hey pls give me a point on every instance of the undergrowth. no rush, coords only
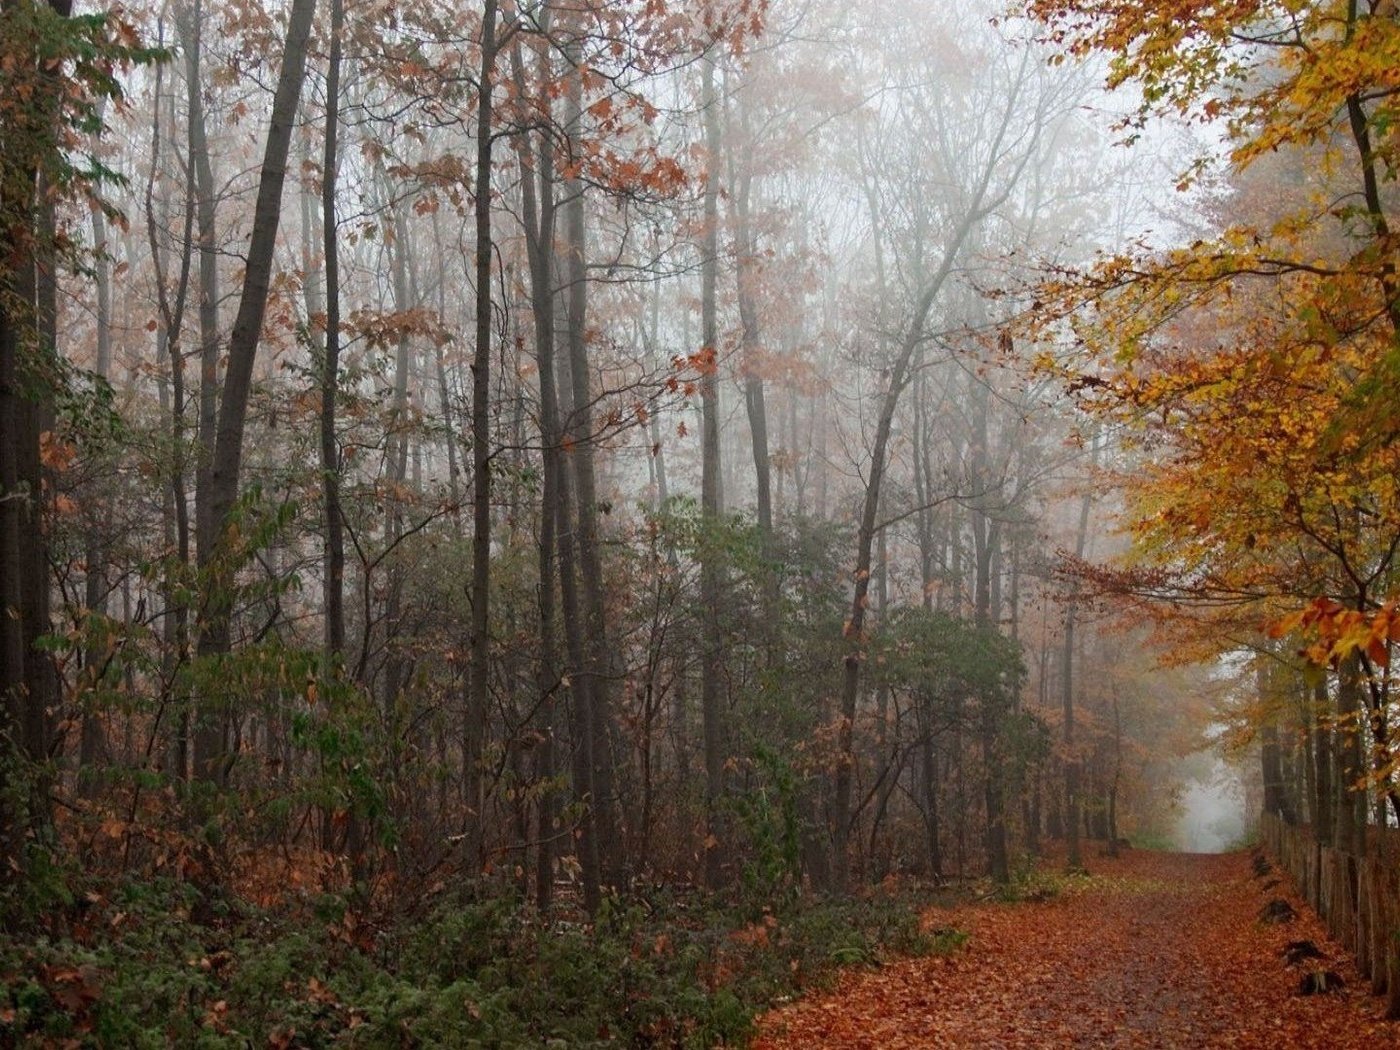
(1036, 880)
(129, 967)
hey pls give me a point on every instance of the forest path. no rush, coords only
(1151, 950)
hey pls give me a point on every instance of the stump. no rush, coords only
(1298, 951)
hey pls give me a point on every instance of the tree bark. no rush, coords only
(596, 652)
(539, 232)
(865, 538)
(712, 669)
(175, 505)
(1073, 803)
(1349, 826)
(210, 748)
(982, 199)
(334, 554)
(1319, 721)
(986, 536)
(750, 338)
(91, 737)
(190, 25)
(479, 670)
(28, 309)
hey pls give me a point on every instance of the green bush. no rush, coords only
(133, 970)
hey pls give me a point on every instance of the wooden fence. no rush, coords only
(1357, 897)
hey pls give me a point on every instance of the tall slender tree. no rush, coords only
(334, 583)
(479, 670)
(217, 545)
(711, 496)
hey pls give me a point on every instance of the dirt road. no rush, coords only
(1151, 950)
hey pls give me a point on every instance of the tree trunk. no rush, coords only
(883, 757)
(210, 750)
(596, 652)
(1073, 803)
(929, 766)
(91, 739)
(190, 25)
(18, 513)
(1319, 719)
(478, 669)
(388, 678)
(1117, 777)
(28, 304)
(755, 402)
(1350, 823)
(711, 584)
(1271, 768)
(334, 554)
(588, 545)
(538, 208)
(175, 504)
(986, 539)
(652, 336)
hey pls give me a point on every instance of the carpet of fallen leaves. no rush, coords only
(1150, 950)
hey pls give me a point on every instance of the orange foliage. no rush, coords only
(1254, 370)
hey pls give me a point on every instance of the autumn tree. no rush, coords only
(1254, 365)
(60, 72)
(604, 330)
(217, 547)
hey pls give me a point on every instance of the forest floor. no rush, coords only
(1150, 950)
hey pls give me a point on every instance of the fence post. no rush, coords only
(1358, 898)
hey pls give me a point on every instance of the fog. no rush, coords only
(662, 491)
(1212, 812)
(658, 424)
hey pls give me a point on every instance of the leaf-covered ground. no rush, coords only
(1151, 950)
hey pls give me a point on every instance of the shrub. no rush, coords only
(132, 969)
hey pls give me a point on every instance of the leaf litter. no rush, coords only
(1161, 950)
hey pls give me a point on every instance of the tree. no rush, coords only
(711, 495)
(1016, 115)
(478, 675)
(218, 543)
(1290, 312)
(662, 317)
(950, 665)
(330, 366)
(60, 73)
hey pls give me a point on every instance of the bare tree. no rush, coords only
(1011, 117)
